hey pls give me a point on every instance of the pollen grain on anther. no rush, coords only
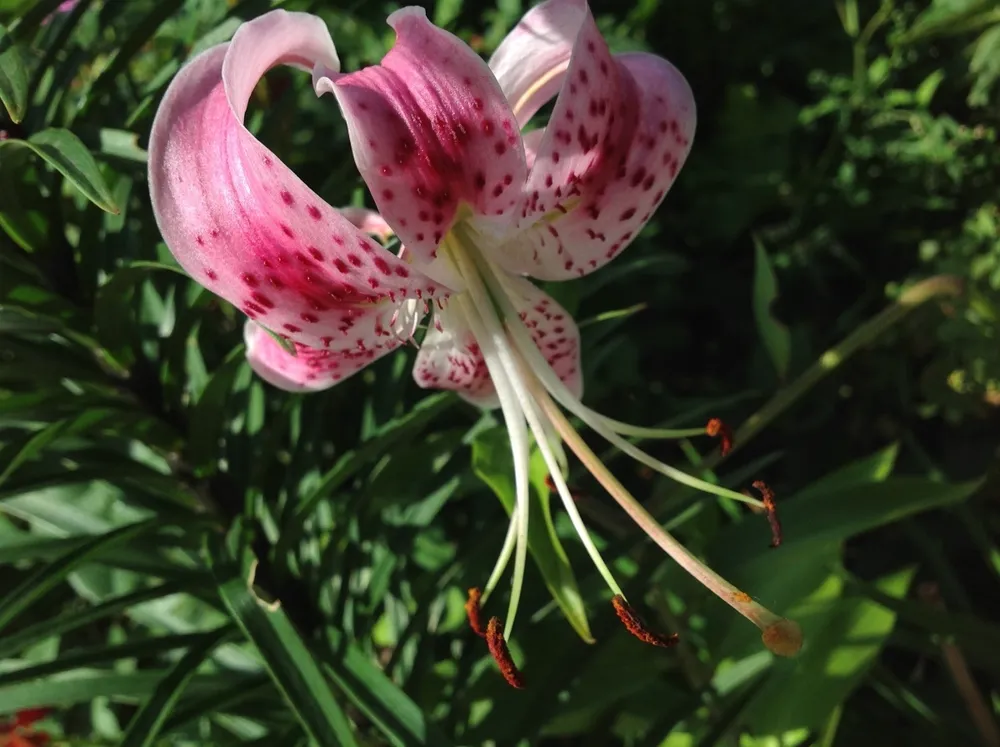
(771, 508)
(472, 611)
(716, 427)
(501, 654)
(636, 627)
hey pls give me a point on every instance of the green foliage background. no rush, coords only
(846, 150)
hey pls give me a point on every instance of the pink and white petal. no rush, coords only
(241, 223)
(532, 142)
(450, 358)
(588, 130)
(310, 369)
(368, 221)
(532, 60)
(552, 328)
(611, 205)
(430, 129)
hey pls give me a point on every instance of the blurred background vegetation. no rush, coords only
(846, 150)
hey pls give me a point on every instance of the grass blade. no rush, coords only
(145, 727)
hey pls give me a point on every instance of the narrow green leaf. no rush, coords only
(398, 430)
(48, 577)
(287, 345)
(400, 719)
(147, 724)
(15, 453)
(83, 686)
(64, 151)
(113, 315)
(777, 339)
(492, 462)
(13, 79)
(218, 702)
(76, 618)
(92, 656)
(291, 665)
(208, 415)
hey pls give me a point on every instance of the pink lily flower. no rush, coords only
(477, 204)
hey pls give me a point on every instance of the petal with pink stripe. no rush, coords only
(430, 130)
(242, 224)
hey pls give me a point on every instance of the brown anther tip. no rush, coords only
(635, 626)
(501, 654)
(782, 638)
(715, 427)
(767, 495)
(472, 612)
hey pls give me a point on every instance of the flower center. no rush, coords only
(526, 386)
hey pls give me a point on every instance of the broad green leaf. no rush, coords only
(493, 463)
(147, 724)
(775, 335)
(13, 79)
(63, 150)
(872, 469)
(839, 513)
(803, 692)
(291, 665)
(446, 11)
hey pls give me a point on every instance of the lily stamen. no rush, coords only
(473, 612)
(716, 427)
(771, 509)
(501, 654)
(633, 623)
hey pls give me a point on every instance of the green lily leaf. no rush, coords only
(13, 79)
(492, 462)
(777, 339)
(64, 151)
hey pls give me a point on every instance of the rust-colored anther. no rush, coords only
(715, 427)
(551, 485)
(636, 627)
(767, 495)
(473, 613)
(500, 652)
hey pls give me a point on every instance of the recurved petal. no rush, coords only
(532, 60)
(430, 128)
(613, 185)
(242, 224)
(552, 328)
(450, 358)
(310, 369)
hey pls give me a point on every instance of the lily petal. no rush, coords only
(368, 221)
(552, 328)
(242, 224)
(430, 129)
(593, 187)
(450, 358)
(532, 60)
(310, 369)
